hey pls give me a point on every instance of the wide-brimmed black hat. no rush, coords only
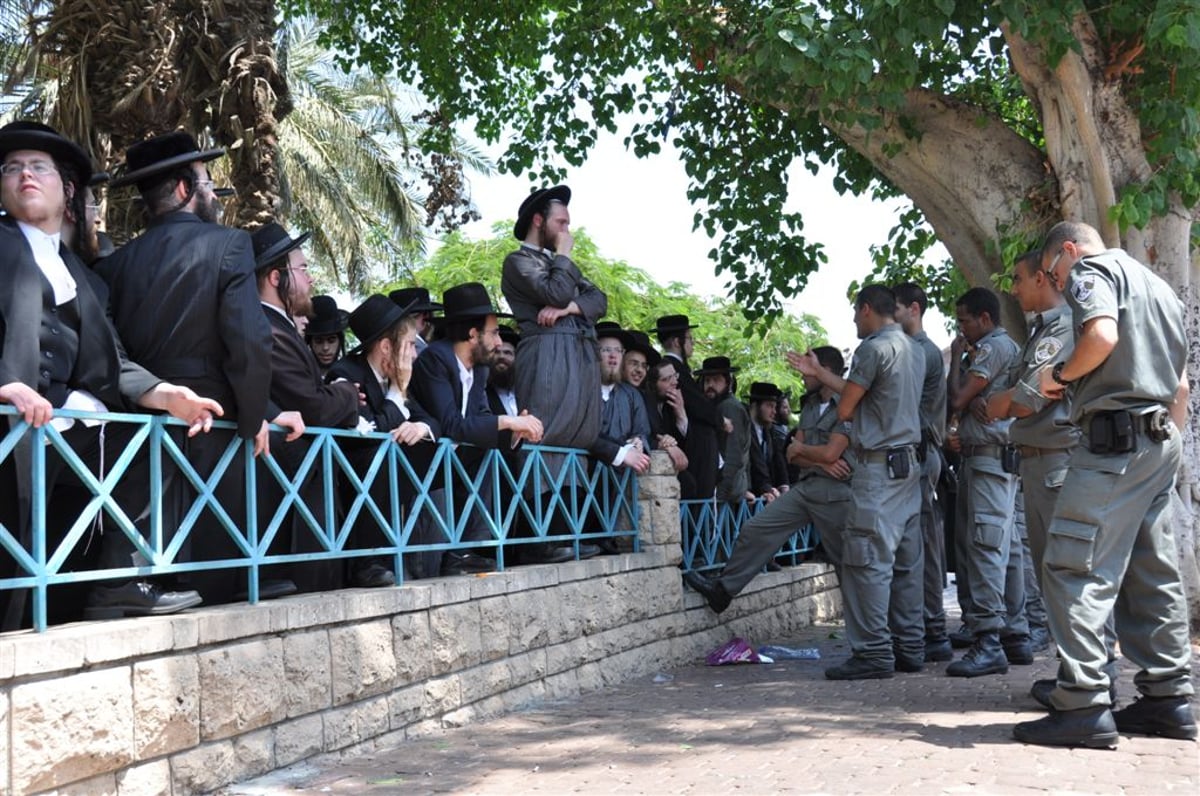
(153, 156)
(405, 297)
(372, 319)
(469, 300)
(43, 138)
(714, 365)
(763, 391)
(640, 342)
(669, 325)
(536, 203)
(614, 330)
(98, 179)
(326, 319)
(509, 335)
(272, 242)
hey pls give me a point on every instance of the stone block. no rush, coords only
(166, 705)
(454, 636)
(148, 636)
(567, 655)
(70, 728)
(253, 753)
(590, 677)
(147, 779)
(241, 688)
(307, 672)
(663, 521)
(493, 623)
(538, 576)
(203, 769)
(524, 696)
(660, 468)
(442, 695)
(186, 627)
(4, 731)
(564, 685)
(226, 623)
(313, 610)
(532, 619)
(487, 680)
(299, 739)
(492, 584)
(8, 659)
(459, 718)
(44, 653)
(100, 785)
(356, 723)
(413, 649)
(364, 660)
(414, 596)
(359, 604)
(446, 591)
(527, 667)
(406, 706)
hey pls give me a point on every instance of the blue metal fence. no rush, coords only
(585, 502)
(709, 529)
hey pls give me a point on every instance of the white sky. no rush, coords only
(637, 210)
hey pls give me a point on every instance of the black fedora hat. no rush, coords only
(509, 335)
(151, 157)
(98, 179)
(43, 138)
(535, 203)
(372, 319)
(714, 365)
(614, 330)
(326, 319)
(669, 325)
(406, 296)
(272, 242)
(763, 391)
(469, 300)
(640, 342)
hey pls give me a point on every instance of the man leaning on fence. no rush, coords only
(59, 351)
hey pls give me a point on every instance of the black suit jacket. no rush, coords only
(378, 409)
(296, 382)
(706, 432)
(436, 387)
(184, 301)
(100, 366)
(767, 468)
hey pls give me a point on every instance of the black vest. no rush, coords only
(58, 345)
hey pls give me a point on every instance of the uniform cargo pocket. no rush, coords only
(1054, 478)
(857, 551)
(988, 533)
(1070, 545)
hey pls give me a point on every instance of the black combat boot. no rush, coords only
(986, 656)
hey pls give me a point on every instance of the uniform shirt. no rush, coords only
(1051, 340)
(819, 422)
(995, 354)
(1143, 370)
(735, 472)
(887, 365)
(933, 391)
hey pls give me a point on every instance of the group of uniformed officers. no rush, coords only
(1081, 425)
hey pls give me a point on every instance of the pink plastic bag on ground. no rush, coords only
(736, 650)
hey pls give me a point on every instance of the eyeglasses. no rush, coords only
(204, 183)
(636, 365)
(1050, 271)
(38, 168)
(611, 349)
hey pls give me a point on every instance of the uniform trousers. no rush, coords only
(1041, 479)
(1110, 547)
(993, 554)
(934, 545)
(824, 502)
(884, 518)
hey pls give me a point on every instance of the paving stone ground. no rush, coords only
(772, 728)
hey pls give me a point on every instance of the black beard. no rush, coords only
(502, 379)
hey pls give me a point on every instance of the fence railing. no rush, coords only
(709, 528)
(338, 487)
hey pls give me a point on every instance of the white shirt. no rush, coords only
(466, 377)
(509, 399)
(45, 254)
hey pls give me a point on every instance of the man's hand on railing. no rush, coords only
(183, 404)
(409, 433)
(638, 461)
(524, 426)
(34, 409)
(292, 421)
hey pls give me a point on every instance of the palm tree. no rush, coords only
(353, 171)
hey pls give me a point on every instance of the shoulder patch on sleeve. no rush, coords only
(981, 354)
(1082, 287)
(1046, 349)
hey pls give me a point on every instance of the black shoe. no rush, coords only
(908, 663)
(986, 656)
(1091, 727)
(962, 638)
(373, 576)
(1039, 638)
(466, 564)
(1042, 689)
(856, 668)
(1017, 649)
(711, 590)
(269, 590)
(1169, 717)
(938, 649)
(136, 598)
(773, 566)
(586, 551)
(547, 554)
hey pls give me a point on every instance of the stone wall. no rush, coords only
(188, 703)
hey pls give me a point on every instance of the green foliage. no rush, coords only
(743, 88)
(635, 300)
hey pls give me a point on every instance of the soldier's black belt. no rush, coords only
(993, 451)
(1116, 431)
(1030, 452)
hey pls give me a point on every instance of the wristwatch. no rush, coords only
(1056, 374)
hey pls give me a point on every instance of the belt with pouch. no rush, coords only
(991, 451)
(879, 455)
(1030, 452)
